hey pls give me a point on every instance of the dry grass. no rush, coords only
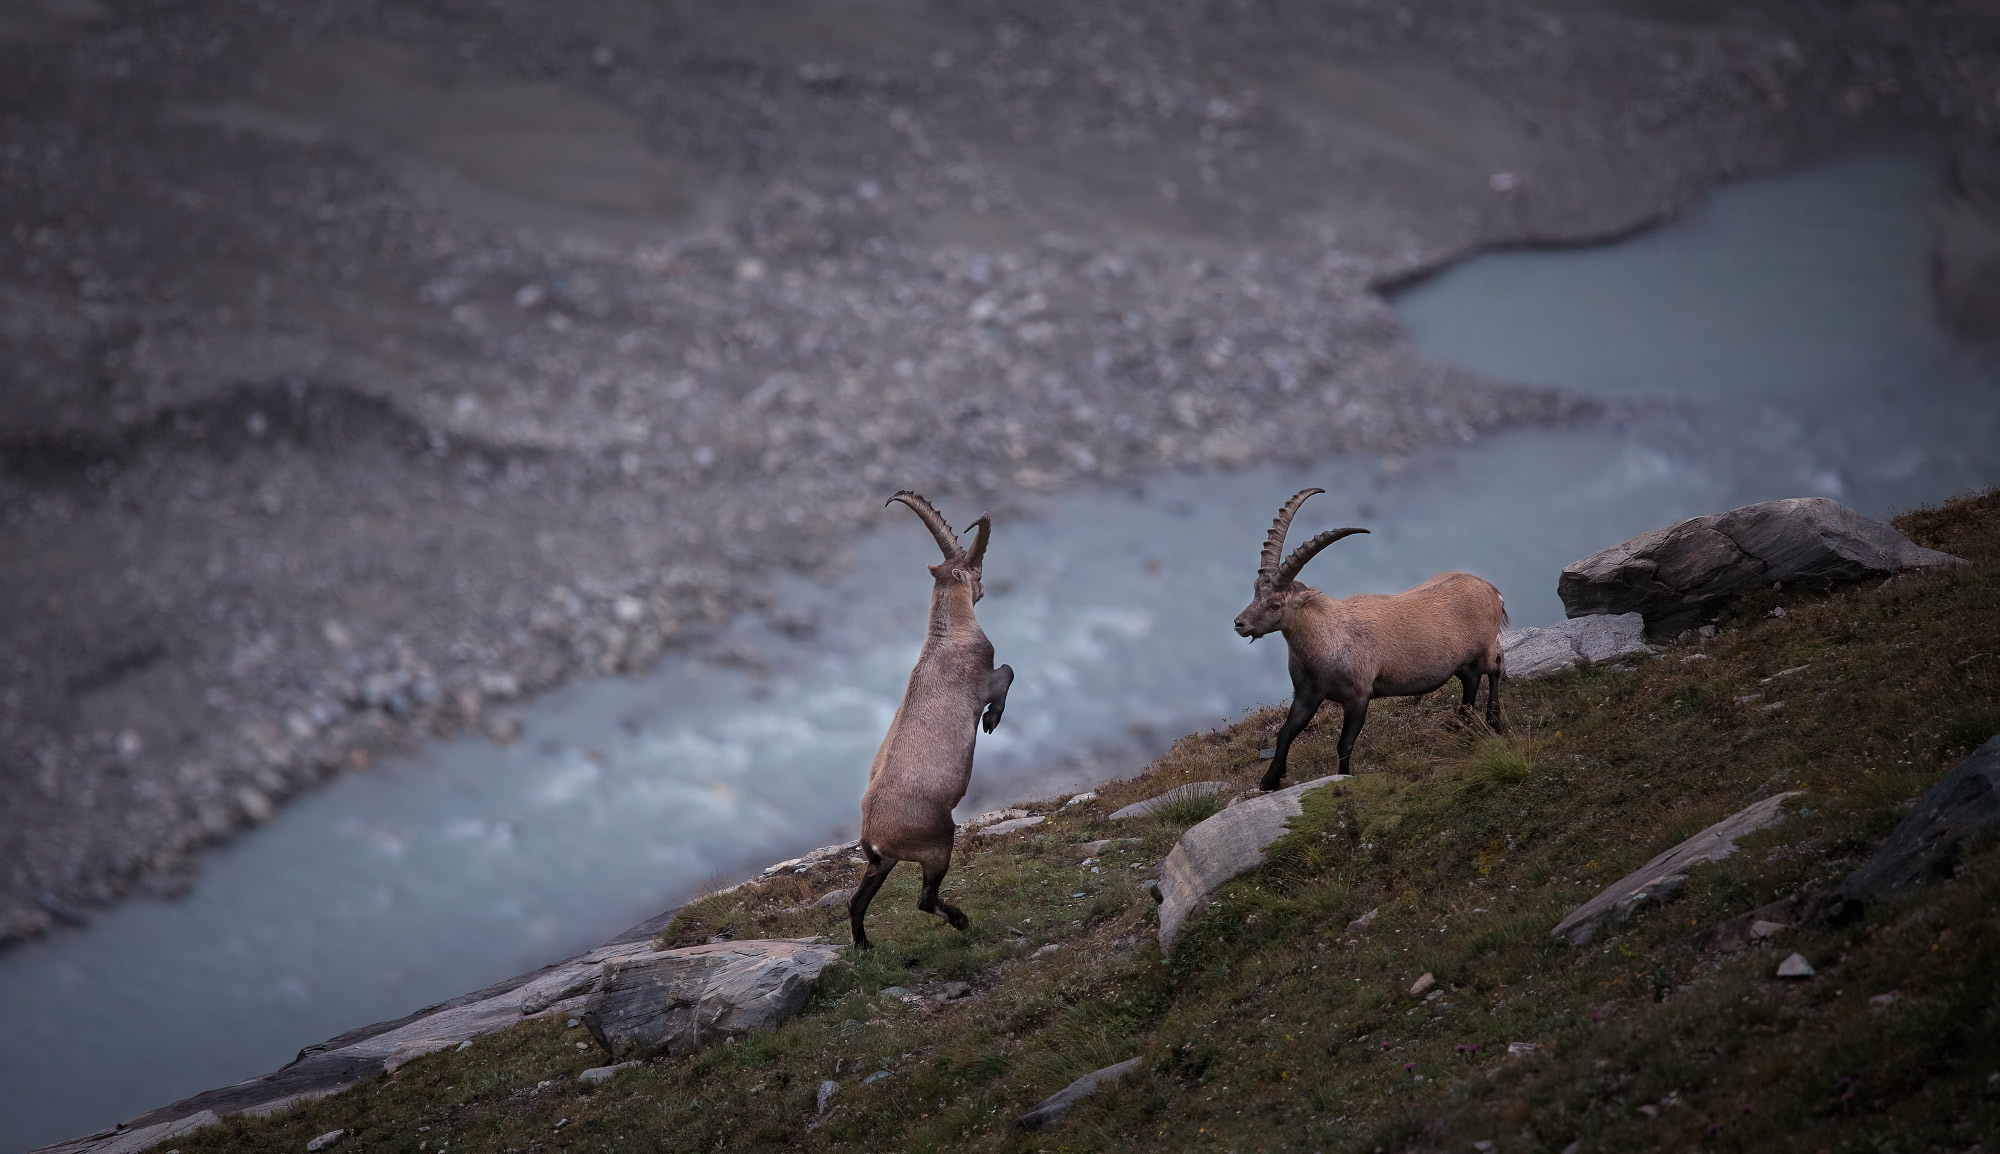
(1269, 1028)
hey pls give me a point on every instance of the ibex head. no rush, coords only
(1274, 588)
(959, 564)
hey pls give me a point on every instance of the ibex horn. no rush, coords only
(1274, 541)
(977, 557)
(932, 519)
(1305, 553)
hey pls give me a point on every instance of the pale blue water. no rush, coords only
(1778, 342)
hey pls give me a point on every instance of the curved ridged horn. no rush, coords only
(984, 526)
(1274, 541)
(933, 520)
(1306, 552)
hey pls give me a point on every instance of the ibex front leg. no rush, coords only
(997, 683)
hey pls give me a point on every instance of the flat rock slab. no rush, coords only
(1222, 847)
(675, 1001)
(1011, 824)
(1051, 1109)
(1679, 575)
(1533, 653)
(1150, 805)
(1664, 874)
(1925, 844)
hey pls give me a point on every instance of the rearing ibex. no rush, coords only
(922, 769)
(1354, 649)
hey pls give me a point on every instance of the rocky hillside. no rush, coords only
(1388, 980)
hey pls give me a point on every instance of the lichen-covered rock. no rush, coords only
(1051, 1109)
(1192, 789)
(1540, 652)
(1663, 875)
(1925, 843)
(1678, 575)
(678, 1000)
(1218, 849)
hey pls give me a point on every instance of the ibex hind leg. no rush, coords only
(1493, 721)
(1468, 682)
(930, 903)
(857, 906)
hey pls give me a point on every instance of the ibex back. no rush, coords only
(925, 762)
(1352, 650)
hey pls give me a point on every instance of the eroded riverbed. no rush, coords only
(1780, 341)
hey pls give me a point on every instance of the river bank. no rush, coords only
(371, 370)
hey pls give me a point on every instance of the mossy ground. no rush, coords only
(1271, 1028)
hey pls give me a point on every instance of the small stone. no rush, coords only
(1423, 984)
(597, 1074)
(1051, 1109)
(877, 1076)
(325, 1141)
(1881, 1002)
(574, 1023)
(899, 993)
(956, 990)
(1361, 924)
(465, 1045)
(1267, 754)
(1051, 948)
(1795, 966)
(1522, 1049)
(1081, 798)
(1761, 929)
(833, 898)
(1650, 1110)
(1484, 1146)
(534, 1004)
(1778, 611)
(827, 1090)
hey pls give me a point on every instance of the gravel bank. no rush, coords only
(367, 370)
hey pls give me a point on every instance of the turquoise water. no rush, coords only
(1780, 341)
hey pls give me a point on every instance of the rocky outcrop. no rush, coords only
(1051, 1109)
(1532, 653)
(1222, 847)
(676, 1001)
(1926, 842)
(1660, 877)
(1679, 575)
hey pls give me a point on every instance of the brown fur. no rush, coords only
(1352, 650)
(925, 762)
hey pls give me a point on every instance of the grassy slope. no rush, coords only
(1271, 1028)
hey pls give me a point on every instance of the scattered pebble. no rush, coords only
(1423, 984)
(325, 1141)
(1795, 966)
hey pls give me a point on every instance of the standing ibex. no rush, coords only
(922, 769)
(1354, 649)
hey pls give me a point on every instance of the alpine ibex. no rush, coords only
(925, 762)
(1352, 650)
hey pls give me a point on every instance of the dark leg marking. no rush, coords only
(1352, 718)
(996, 696)
(1305, 703)
(930, 903)
(871, 880)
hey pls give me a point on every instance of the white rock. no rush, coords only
(1052, 1108)
(1664, 874)
(596, 1074)
(1795, 966)
(827, 1090)
(324, 1141)
(1230, 843)
(1190, 790)
(1423, 983)
(1012, 825)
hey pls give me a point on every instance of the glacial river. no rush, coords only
(1779, 341)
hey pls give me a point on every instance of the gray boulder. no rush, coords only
(1533, 653)
(1190, 790)
(1051, 1109)
(1660, 877)
(1679, 575)
(1925, 843)
(677, 1000)
(1218, 849)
